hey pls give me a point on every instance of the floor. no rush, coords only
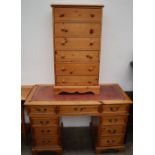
(77, 141)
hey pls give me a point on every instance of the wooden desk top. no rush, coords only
(109, 94)
(25, 90)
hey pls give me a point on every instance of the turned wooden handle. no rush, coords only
(91, 31)
(63, 69)
(90, 69)
(91, 44)
(114, 108)
(89, 56)
(61, 15)
(92, 15)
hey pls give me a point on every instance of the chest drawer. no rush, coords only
(77, 29)
(49, 142)
(115, 108)
(77, 44)
(114, 120)
(77, 56)
(77, 14)
(93, 109)
(46, 131)
(111, 130)
(111, 141)
(42, 109)
(76, 80)
(44, 121)
(77, 69)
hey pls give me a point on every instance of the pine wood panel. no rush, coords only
(77, 29)
(77, 14)
(76, 80)
(77, 44)
(76, 69)
(77, 56)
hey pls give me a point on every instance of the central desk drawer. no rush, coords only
(71, 110)
(77, 69)
(44, 121)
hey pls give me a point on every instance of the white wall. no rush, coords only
(37, 45)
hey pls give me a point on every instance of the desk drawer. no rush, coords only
(46, 131)
(77, 69)
(77, 80)
(42, 109)
(77, 56)
(93, 109)
(111, 141)
(77, 14)
(114, 120)
(46, 121)
(77, 29)
(51, 141)
(111, 130)
(115, 108)
(77, 44)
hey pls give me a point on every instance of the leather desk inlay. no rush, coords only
(107, 92)
(108, 110)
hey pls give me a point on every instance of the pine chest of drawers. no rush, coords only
(77, 39)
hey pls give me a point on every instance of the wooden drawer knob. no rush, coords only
(114, 109)
(62, 57)
(90, 69)
(41, 110)
(91, 44)
(64, 30)
(75, 109)
(63, 69)
(91, 31)
(92, 15)
(61, 15)
(89, 56)
(63, 81)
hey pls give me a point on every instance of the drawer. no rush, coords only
(115, 108)
(42, 109)
(77, 44)
(77, 56)
(111, 141)
(77, 29)
(46, 131)
(114, 120)
(46, 121)
(111, 130)
(77, 14)
(77, 69)
(76, 80)
(51, 141)
(93, 109)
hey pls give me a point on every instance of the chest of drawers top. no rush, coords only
(77, 33)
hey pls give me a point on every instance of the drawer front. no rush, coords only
(51, 141)
(49, 121)
(77, 80)
(77, 69)
(111, 141)
(42, 109)
(114, 120)
(79, 109)
(77, 29)
(77, 56)
(77, 14)
(118, 108)
(46, 131)
(111, 130)
(77, 44)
